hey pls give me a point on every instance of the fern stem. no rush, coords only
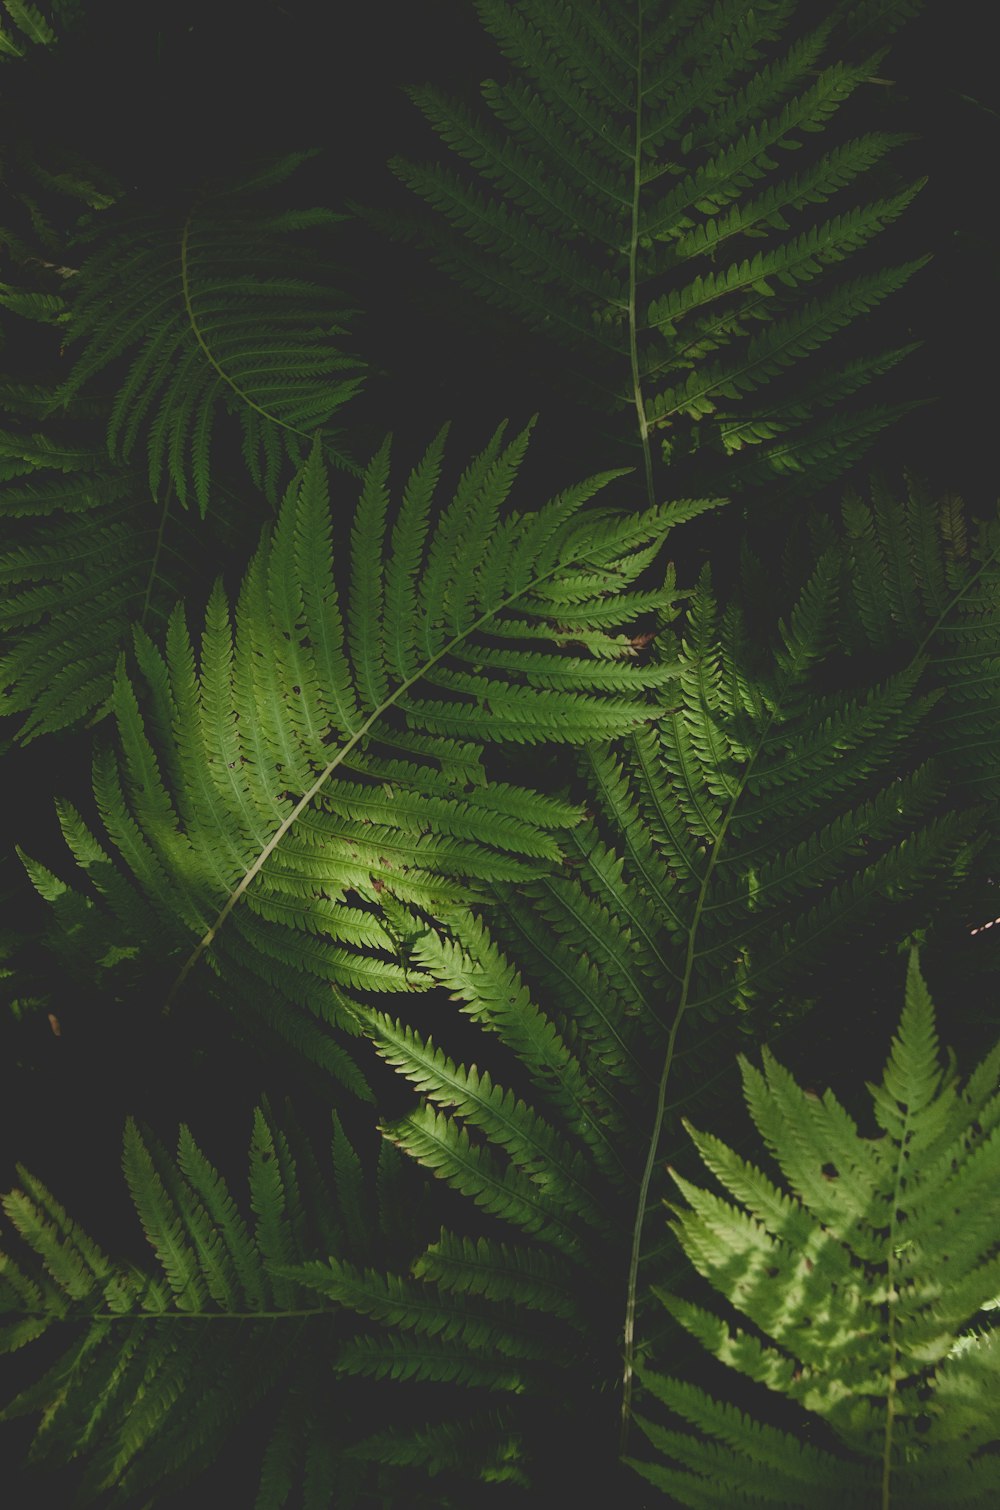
(633, 252)
(338, 760)
(628, 1368)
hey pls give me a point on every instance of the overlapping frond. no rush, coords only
(222, 308)
(632, 193)
(162, 1363)
(265, 792)
(863, 1278)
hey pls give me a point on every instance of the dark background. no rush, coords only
(164, 95)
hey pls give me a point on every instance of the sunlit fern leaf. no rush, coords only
(218, 309)
(631, 194)
(162, 1364)
(266, 789)
(87, 554)
(732, 849)
(862, 1280)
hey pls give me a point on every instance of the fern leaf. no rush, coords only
(158, 1369)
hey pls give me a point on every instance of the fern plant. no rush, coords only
(861, 1282)
(263, 800)
(321, 796)
(632, 197)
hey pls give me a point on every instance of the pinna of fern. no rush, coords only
(866, 1283)
(262, 797)
(630, 195)
(23, 26)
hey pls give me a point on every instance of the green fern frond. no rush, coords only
(863, 1280)
(265, 792)
(221, 311)
(628, 195)
(161, 1365)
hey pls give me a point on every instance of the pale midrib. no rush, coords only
(628, 1369)
(633, 252)
(341, 755)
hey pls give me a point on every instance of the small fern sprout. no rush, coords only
(868, 1281)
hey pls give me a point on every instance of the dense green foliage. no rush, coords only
(469, 818)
